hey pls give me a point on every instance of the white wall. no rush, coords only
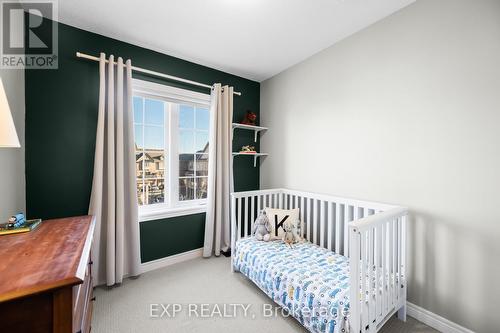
(407, 111)
(12, 180)
(12, 175)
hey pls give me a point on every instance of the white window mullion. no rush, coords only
(144, 198)
(166, 158)
(174, 154)
(195, 161)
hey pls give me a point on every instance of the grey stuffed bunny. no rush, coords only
(262, 227)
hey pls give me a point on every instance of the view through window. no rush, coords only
(149, 122)
(171, 145)
(193, 152)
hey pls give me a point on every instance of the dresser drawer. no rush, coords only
(82, 299)
(87, 312)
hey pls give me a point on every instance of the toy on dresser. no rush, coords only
(17, 224)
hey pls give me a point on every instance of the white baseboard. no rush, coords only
(170, 260)
(433, 320)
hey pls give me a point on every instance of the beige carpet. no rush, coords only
(127, 308)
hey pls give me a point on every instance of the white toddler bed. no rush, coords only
(315, 280)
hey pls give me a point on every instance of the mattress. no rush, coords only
(310, 282)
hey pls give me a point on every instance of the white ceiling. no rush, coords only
(255, 39)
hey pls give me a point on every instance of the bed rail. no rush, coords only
(378, 243)
(324, 219)
(370, 231)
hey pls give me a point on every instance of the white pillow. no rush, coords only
(279, 216)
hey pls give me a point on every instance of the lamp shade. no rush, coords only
(8, 135)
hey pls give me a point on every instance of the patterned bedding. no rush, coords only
(310, 282)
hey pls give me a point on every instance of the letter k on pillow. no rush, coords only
(278, 217)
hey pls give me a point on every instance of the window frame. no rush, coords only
(173, 97)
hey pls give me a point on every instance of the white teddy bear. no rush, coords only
(289, 236)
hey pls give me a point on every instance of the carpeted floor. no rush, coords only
(128, 308)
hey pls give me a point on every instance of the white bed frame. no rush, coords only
(375, 233)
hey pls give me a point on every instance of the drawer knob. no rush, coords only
(93, 299)
(91, 262)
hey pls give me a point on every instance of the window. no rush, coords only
(171, 148)
(193, 152)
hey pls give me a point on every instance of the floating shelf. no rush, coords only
(255, 155)
(256, 129)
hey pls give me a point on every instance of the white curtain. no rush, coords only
(220, 172)
(113, 200)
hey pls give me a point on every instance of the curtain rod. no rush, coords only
(153, 73)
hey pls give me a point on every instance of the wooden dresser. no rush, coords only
(46, 278)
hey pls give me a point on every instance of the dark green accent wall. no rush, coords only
(61, 120)
(164, 238)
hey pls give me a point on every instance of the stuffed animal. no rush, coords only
(262, 227)
(289, 236)
(250, 118)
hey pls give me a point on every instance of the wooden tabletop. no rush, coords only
(46, 258)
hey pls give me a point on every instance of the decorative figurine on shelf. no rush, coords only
(250, 118)
(248, 150)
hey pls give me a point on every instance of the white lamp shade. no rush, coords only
(8, 135)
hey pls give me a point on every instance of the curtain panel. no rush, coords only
(220, 172)
(113, 200)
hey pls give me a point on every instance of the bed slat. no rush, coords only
(330, 225)
(239, 218)
(322, 223)
(245, 214)
(391, 265)
(384, 266)
(337, 228)
(402, 281)
(258, 204)
(315, 221)
(309, 220)
(302, 209)
(372, 291)
(252, 212)
(398, 276)
(378, 266)
(364, 287)
(345, 228)
(355, 283)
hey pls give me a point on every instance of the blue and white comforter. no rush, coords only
(311, 282)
